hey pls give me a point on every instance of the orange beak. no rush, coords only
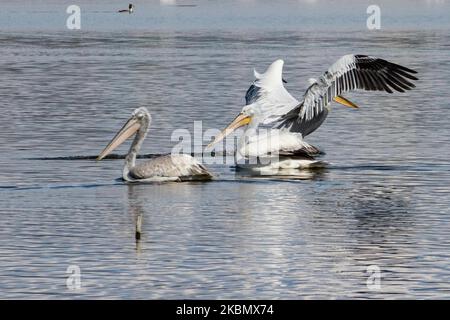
(345, 102)
(239, 121)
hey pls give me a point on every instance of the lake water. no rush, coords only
(383, 200)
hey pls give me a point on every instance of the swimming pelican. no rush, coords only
(287, 121)
(168, 167)
(129, 10)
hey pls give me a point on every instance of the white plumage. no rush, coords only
(277, 122)
(267, 97)
(350, 72)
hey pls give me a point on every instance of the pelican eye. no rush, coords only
(249, 111)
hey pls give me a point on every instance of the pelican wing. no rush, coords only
(268, 95)
(351, 72)
(182, 166)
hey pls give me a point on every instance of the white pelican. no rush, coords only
(287, 121)
(129, 10)
(163, 168)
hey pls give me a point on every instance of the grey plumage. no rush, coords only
(169, 165)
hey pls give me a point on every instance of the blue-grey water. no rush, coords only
(383, 200)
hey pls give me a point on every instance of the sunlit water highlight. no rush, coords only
(383, 200)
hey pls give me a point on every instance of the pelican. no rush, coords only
(129, 10)
(180, 167)
(286, 121)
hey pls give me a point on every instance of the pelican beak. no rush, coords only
(239, 121)
(345, 102)
(129, 128)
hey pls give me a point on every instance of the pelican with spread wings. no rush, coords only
(277, 123)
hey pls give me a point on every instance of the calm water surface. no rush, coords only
(383, 200)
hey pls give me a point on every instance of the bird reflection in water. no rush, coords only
(283, 174)
(136, 210)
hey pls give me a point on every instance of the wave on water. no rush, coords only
(122, 156)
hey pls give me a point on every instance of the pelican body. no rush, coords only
(284, 121)
(264, 149)
(170, 167)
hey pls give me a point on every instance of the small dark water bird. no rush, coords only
(129, 10)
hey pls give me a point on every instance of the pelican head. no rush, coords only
(248, 115)
(138, 123)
